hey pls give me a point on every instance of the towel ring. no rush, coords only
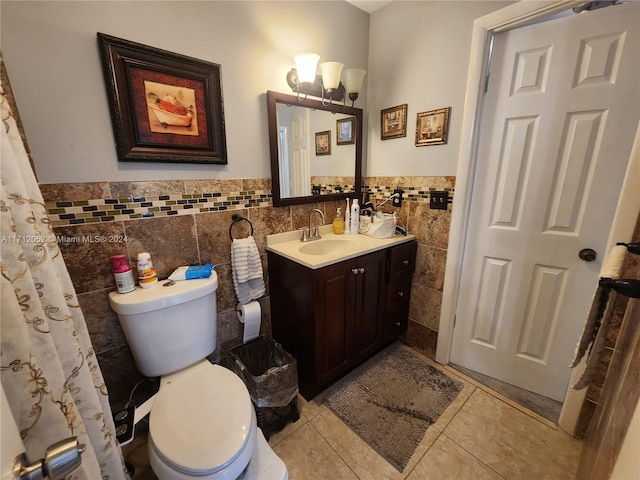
(237, 218)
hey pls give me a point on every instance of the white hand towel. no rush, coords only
(248, 280)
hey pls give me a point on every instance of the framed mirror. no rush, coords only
(316, 150)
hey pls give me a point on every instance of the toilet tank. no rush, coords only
(169, 327)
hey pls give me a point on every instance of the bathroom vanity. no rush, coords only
(337, 301)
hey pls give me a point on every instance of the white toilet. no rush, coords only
(202, 423)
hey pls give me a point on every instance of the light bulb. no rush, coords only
(306, 64)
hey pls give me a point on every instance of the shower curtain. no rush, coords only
(48, 368)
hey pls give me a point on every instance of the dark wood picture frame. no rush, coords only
(165, 107)
(393, 122)
(345, 128)
(323, 143)
(432, 127)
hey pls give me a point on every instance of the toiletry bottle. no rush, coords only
(355, 217)
(338, 223)
(123, 274)
(347, 219)
(146, 273)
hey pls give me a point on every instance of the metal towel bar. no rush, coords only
(631, 247)
(628, 287)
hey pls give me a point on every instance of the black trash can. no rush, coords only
(271, 376)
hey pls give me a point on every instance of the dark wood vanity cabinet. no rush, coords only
(333, 318)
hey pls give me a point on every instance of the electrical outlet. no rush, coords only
(438, 200)
(397, 200)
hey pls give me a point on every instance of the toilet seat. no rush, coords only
(202, 420)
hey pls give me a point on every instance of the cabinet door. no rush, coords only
(369, 298)
(334, 306)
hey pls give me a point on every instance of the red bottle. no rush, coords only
(123, 274)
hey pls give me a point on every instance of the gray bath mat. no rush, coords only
(391, 400)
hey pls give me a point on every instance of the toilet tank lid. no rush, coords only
(143, 300)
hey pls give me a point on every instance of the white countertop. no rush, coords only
(288, 245)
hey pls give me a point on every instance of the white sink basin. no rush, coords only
(324, 246)
(329, 249)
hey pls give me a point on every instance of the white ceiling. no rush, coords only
(369, 5)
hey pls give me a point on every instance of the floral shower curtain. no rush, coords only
(48, 368)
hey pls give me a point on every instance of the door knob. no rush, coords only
(587, 254)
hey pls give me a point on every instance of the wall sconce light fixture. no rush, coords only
(303, 80)
(353, 78)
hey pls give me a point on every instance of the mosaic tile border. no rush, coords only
(412, 194)
(326, 188)
(79, 212)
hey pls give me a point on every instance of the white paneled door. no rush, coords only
(301, 153)
(560, 116)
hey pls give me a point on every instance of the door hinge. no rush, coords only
(455, 317)
(486, 82)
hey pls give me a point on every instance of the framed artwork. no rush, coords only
(165, 107)
(345, 128)
(393, 122)
(432, 127)
(323, 143)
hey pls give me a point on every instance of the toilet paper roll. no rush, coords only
(251, 315)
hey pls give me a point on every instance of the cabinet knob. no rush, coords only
(354, 271)
(398, 324)
(405, 262)
(401, 294)
(362, 270)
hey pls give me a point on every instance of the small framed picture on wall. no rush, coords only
(432, 127)
(393, 122)
(323, 143)
(345, 128)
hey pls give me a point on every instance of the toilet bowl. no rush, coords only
(202, 423)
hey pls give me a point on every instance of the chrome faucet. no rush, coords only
(312, 233)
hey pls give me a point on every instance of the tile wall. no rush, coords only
(186, 222)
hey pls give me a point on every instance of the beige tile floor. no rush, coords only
(481, 435)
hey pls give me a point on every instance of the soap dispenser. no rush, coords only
(338, 223)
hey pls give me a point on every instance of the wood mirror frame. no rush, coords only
(273, 99)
